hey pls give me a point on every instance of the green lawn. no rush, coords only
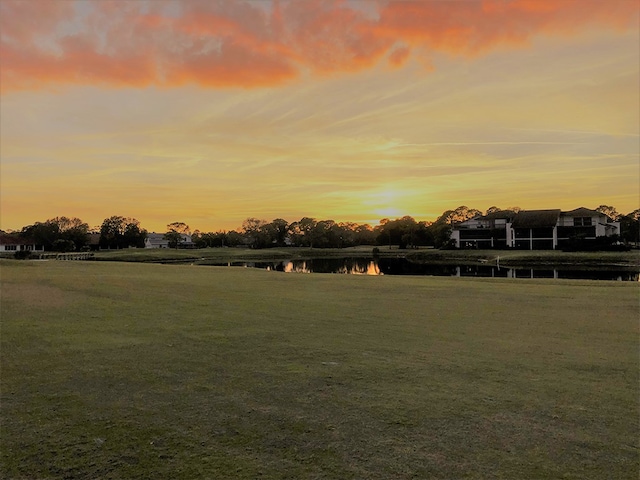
(130, 370)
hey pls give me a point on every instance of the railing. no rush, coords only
(64, 256)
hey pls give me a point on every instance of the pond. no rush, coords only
(401, 266)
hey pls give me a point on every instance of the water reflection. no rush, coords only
(351, 266)
(404, 267)
(401, 266)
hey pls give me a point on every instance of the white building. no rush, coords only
(13, 243)
(157, 240)
(533, 229)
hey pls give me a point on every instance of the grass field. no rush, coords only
(126, 370)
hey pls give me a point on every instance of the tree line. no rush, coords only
(66, 234)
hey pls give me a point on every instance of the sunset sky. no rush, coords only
(209, 112)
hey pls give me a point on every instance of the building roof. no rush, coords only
(536, 218)
(160, 237)
(156, 239)
(155, 236)
(584, 212)
(491, 217)
(499, 214)
(8, 239)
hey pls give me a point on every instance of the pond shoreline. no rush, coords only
(503, 258)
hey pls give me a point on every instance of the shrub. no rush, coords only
(62, 245)
(22, 254)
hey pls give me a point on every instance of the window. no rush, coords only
(10, 247)
(582, 221)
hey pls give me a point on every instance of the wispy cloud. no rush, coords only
(256, 44)
(461, 144)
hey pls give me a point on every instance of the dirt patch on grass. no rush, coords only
(39, 296)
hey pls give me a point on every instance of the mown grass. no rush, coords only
(119, 370)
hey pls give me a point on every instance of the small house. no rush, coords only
(156, 240)
(14, 243)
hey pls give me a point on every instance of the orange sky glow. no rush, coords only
(211, 112)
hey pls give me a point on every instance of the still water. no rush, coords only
(401, 266)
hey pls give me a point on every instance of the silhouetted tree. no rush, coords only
(121, 232)
(62, 245)
(209, 239)
(630, 227)
(364, 235)
(424, 236)
(232, 238)
(322, 234)
(134, 236)
(198, 239)
(220, 239)
(41, 233)
(302, 231)
(254, 232)
(276, 231)
(441, 228)
(175, 233)
(609, 211)
(404, 232)
(67, 229)
(73, 230)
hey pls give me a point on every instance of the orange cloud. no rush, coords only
(399, 56)
(252, 44)
(22, 20)
(472, 28)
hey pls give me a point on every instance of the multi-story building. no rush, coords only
(533, 229)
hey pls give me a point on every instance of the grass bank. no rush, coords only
(226, 254)
(528, 258)
(119, 370)
(514, 258)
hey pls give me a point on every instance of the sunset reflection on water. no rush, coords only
(355, 268)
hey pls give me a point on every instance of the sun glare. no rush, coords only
(388, 203)
(389, 212)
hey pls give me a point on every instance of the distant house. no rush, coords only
(13, 243)
(533, 229)
(157, 240)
